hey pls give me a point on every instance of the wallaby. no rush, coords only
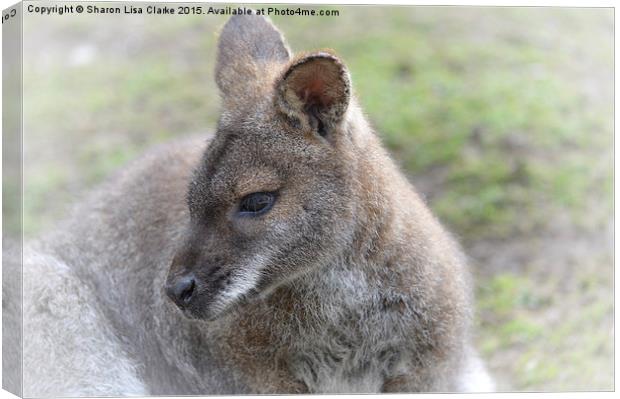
(299, 260)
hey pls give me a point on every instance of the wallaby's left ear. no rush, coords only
(315, 91)
(249, 45)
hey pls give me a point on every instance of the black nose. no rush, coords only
(181, 289)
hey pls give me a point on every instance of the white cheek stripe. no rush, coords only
(242, 282)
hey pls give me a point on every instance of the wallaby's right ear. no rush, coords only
(247, 44)
(315, 91)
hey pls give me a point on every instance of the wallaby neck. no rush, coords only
(337, 285)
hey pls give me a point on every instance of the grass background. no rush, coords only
(502, 117)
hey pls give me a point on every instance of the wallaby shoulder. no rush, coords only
(117, 243)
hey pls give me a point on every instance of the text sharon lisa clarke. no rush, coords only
(92, 9)
(177, 10)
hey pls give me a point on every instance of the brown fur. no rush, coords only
(292, 126)
(347, 283)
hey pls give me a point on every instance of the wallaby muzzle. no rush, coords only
(195, 282)
(181, 289)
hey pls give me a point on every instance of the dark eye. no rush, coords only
(256, 203)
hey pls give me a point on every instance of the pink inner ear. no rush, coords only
(318, 82)
(313, 93)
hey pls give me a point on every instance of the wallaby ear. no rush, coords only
(315, 90)
(247, 44)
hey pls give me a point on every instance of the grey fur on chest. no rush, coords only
(344, 353)
(337, 364)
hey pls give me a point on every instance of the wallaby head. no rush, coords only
(273, 195)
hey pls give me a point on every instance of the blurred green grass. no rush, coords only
(502, 117)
